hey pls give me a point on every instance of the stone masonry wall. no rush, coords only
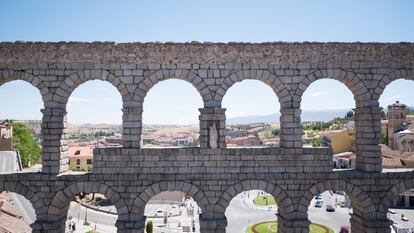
(130, 176)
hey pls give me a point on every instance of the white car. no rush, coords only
(159, 213)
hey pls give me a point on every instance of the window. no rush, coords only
(89, 161)
(78, 162)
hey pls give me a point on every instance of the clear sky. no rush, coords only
(213, 20)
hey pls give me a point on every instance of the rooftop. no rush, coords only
(80, 151)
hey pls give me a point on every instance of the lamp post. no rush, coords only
(86, 215)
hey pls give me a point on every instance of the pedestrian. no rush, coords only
(344, 229)
(74, 227)
(70, 226)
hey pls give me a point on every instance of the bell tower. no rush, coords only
(397, 116)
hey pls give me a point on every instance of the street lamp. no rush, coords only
(86, 215)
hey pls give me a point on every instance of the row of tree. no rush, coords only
(336, 123)
(24, 141)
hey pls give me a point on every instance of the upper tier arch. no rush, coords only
(354, 83)
(192, 77)
(7, 76)
(264, 76)
(394, 75)
(71, 82)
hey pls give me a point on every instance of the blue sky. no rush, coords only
(213, 20)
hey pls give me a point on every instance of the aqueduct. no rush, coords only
(130, 176)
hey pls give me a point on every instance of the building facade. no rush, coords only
(80, 158)
(397, 118)
(6, 136)
(340, 141)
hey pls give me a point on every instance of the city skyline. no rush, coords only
(379, 21)
(104, 104)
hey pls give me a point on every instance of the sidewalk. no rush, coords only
(80, 228)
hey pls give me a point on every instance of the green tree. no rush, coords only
(349, 114)
(149, 227)
(384, 138)
(383, 115)
(276, 132)
(24, 141)
(316, 143)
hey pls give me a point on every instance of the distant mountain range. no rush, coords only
(307, 115)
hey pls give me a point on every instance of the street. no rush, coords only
(239, 215)
(106, 222)
(333, 220)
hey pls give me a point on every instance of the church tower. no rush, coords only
(397, 116)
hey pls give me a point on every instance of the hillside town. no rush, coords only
(397, 145)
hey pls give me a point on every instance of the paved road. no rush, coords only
(239, 216)
(332, 219)
(105, 222)
(9, 163)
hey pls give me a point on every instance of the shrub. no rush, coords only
(149, 227)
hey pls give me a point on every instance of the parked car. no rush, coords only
(319, 204)
(343, 204)
(330, 208)
(319, 197)
(159, 213)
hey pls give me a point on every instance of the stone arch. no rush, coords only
(12, 75)
(354, 83)
(59, 205)
(361, 202)
(25, 191)
(264, 76)
(160, 75)
(405, 74)
(143, 198)
(74, 80)
(393, 193)
(283, 201)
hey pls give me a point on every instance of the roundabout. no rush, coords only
(271, 227)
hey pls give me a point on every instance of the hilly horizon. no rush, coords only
(307, 115)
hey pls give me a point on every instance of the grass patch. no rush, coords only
(264, 200)
(271, 227)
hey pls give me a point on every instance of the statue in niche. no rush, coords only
(213, 136)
